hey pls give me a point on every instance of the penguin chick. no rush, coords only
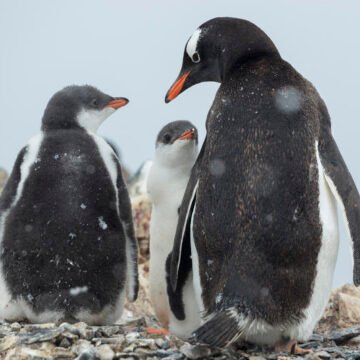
(175, 154)
(68, 250)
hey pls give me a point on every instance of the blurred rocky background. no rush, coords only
(3, 178)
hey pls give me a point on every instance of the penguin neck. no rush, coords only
(169, 178)
(59, 121)
(232, 61)
(176, 157)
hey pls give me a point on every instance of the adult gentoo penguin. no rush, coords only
(175, 155)
(68, 250)
(259, 211)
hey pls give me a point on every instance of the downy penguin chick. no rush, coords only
(175, 154)
(68, 250)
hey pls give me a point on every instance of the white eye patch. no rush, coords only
(191, 47)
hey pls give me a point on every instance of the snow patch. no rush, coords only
(78, 290)
(103, 225)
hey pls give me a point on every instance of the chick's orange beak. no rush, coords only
(187, 135)
(117, 103)
(176, 88)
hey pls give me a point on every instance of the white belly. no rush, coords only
(164, 218)
(162, 230)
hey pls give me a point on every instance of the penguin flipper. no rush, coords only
(221, 330)
(9, 193)
(125, 211)
(342, 186)
(182, 234)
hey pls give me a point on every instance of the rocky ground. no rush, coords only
(337, 336)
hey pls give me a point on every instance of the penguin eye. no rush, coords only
(167, 138)
(195, 57)
(94, 102)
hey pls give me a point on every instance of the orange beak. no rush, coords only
(176, 88)
(117, 103)
(187, 135)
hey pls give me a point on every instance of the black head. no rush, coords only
(177, 130)
(79, 106)
(215, 48)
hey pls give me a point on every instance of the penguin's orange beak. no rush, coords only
(187, 135)
(117, 103)
(177, 87)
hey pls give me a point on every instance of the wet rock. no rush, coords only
(15, 326)
(354, 341)
(322, 355)
(104, 352)
(195, 351)
(85, 350)
(62, 353)
(40, 335)
(116, 340)
(65, 343)
(109, 331)
(342, 336)
(132, 337)
(34, 327)
(25, 353)
(8, 342)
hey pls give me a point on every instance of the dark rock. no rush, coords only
(342, 336)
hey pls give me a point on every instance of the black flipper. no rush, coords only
(9, 193)
(125, 212)
(220, 331)
(182, 235)
(342, 184)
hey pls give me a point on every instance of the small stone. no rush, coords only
(131, 337)
(117, 340)
(15, 326)
(323, 354)
(343, 336)
(146, 343)
(109, 331)
(65, 343)
(40, 335)
(104, 352)
(62, 353)
(83, 330)
(195, 351)
(27, 353)
(8, 342)
(33, 327)
(354, 341)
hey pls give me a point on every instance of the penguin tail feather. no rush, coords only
(221, 330)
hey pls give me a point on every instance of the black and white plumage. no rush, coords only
(68, 249)
(259, 212)
(175, 155)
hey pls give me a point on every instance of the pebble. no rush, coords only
(195, 351)
(105, 352)
(132, 336)
(15, 326)
(342, 336)
(323, 354)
